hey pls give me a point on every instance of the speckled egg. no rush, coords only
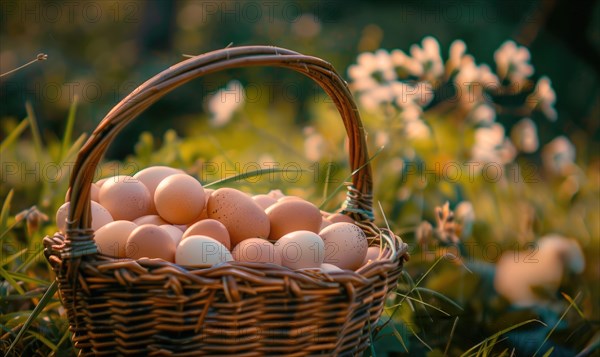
(301, 250)
(150, 241)
(238, 212)
(291, 215)
(125, 197)
(345, 245)
(256, 250)
(111, 238)
(200, 250)
(210, 228)
(100, 216)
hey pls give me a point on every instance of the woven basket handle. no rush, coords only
(79, 235)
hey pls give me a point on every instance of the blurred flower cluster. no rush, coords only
(406, 87)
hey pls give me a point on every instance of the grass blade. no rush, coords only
(35, 130)
(549, 352)
(340, 186)
(247, 175)
(8, 277)
(12, 137)
(571, 301)
(499, 333)
(451, 336)
(44, 340)
(440, 296)
(5, 211)
(66, 142)
(571, 304)
(34, 314)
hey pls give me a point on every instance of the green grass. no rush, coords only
(427, 314)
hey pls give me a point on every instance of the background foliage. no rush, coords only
(98, 51)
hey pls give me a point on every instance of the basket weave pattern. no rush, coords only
(152, 307)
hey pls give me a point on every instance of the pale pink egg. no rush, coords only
(111, 238)
(125, 198)
(210, 228)
(256, 250)
(292, 215)
(300, 250)
(200, 250)
(150, 241)
(100, 216)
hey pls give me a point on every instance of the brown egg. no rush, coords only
(152, 176)
(125, 198)
(150, 219)
(345, 245)
(300, 250)
(173, 231)
(290, 198)
(276, 194)
(210, 228)
(264, 201)
(339, 217)
(256, 250)
(100, 216)
(242, 217)
(150, 241)
(372, 254)
(101, 182)
(325, 223)
(200, 251)
(204, 214)
(111, 238)
(293, 215)
(179, 198)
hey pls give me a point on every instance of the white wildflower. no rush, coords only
(406, 94)
(456, 53)
(512, 62)
(416, 129)
(491, 146)
(313, 144)
(223, 104)
(411, 112)
(543, 98)
(406, 63)
(483, 113)
(464, 215)
(472, 80)
(429, 56)
(524, 136)
(558, 155)
(382, 138)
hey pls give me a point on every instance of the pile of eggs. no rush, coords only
(162, 212)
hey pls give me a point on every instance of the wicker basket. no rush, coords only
(152, 307)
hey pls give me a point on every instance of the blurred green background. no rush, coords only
(99, 51)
